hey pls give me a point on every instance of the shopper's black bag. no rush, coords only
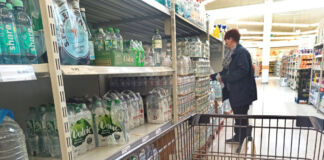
(253, 91)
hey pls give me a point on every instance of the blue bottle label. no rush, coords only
(10, 39)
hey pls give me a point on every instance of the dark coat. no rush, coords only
(240, 86)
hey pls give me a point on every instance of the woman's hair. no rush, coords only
(234, 34)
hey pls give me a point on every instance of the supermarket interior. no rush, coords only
(161, 79)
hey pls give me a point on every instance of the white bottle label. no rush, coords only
(157, 44)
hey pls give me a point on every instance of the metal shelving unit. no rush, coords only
(52, 82)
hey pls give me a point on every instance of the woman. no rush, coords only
(239, 83)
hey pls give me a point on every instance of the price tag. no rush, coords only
(158, 131)
(11, 73)
(126, 149)
(144, 139)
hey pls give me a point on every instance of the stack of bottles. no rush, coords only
(141, 84)
(186, 102)
(158, 106)
(41, 132)
(201, 67)
(184, 65)
(192, 47)
(192, 10)
(18, 42)
(12, 138)
(201, 103)
(216, 89)
(219, 31)
(202, 86)
(147, 152)
(186, 84)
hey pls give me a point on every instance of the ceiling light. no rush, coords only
(273, 24)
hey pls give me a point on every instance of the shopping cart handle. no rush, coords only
(312, 122)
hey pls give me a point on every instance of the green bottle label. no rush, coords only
(108, 45)
(51, 128)
(79, 131)
(10, 39)
(105, 126)
(99, 45)
(27, 40)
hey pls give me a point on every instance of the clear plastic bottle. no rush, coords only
(111, 41)
(90, 38)
(12, 138)
(119, 116)
(40, 130)
(25, 34)
(119, 40)
(99, 44)
(157, 47)
(31, 137)
(87, 116)
(141, 108)
(142, 54)
(52, 132)
(10, 47)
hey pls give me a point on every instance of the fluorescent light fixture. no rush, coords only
(260, 9)
(273, 24)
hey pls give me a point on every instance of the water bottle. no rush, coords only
(31, 137)
(90, 38)
(74, 47)
(10, 48)
(119, 116)
(111, 44)
(40, 130)
(141, 108)
(25, 34)
(157, 47)
(52, 132)
(119, 40)
(12, 138)
(142, 54)
(99, 45)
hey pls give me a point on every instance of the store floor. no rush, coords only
(276, 100)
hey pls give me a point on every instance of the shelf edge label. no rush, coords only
(11, 73)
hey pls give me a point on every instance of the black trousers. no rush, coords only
(241, 132)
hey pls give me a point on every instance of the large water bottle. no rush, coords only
(111, 40)
(119, 116)
(157, 47)
(141, 108)
(25, 34)
(31, 137)
(12, 138)
(52, 133)
(74, 48)
(10, 48)
(90, 38)
(40, 130)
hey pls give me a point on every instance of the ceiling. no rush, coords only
(310, 16)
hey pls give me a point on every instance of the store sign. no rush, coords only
(11, 73)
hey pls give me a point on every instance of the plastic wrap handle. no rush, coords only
(4, 113)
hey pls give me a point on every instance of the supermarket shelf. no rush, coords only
(186, 93)
(184, 26)
(214, 40)
(14, 73)
(200, 76)
(187, 111)
(189, 74)
(137, 136)
(135, 19)
(120, 71)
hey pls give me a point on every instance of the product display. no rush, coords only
(303, 83)
(192, 10)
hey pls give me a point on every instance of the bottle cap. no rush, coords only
(110, 29)
(156, 30)
(117, 101)
(117, 30)
(9, 6)
(17, 3)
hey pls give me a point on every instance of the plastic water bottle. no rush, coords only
(119, 40)
(157, 47)
(90, 38)
(10, 48)
(25, 34)
(102, 125)
(119, 116)
(31, 137)
(74, 48)
(39, 127)
(52, 132)
(99, 43)
(141, 108)
(87, 116)
(142, 53)
(111, 43)
(12, 138)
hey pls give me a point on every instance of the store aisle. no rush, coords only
(276, 100)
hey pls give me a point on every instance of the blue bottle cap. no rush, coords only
(4, 113)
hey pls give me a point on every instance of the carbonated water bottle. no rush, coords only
(157, 47)
(25, 34)
(10, 48)
(90, 38)
(12, 138)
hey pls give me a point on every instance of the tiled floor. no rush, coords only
(276, 100)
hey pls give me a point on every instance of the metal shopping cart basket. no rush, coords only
(204, 137)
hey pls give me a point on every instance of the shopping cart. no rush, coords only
(268, 137)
